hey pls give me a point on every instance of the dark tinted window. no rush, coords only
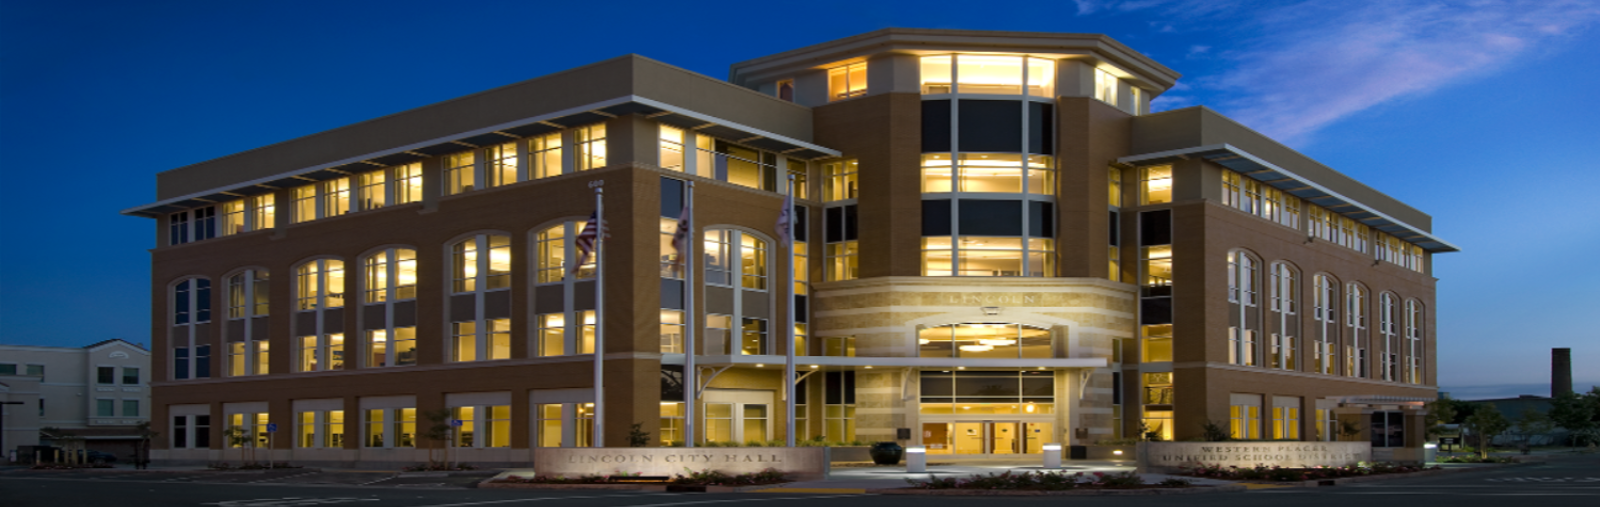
(671, 197)
(937, 386)
(833, 225)
(991, 125)
(936, 217)
(1116, 387)
(850, 223)
(991, 218)
(1155, 228)
(1041, 219)
(802, 221)
(800, 311)
(935, 125)
(1116, 229)
(1155, 311)
(1041, 128)
(671, 382)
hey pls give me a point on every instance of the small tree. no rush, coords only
(1573, 412)
(1440, 412)
(1486, 422)
(1349, 429)
(238, 436)
(438, 430)
(638, 437)
(142, 450)
(1211, 431)
(1530, 423)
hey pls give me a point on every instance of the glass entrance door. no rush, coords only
(1036, 435)
(969, 437)
(1004, 437)
(986, 437)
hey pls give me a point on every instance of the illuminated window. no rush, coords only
(1156, 185)
(1325, 315)
(544, 155)
(1414, 322)
(671, 331)
(753, 262)
(324, 352)
(842, 262)
(335, 197)
(407, 183)
(985, 341)
(392, 347)
(1105, 87)
(319, 429)
(305, 203)
(590, 143)
(839, 180)
(548, 425)
(719, 262)
(502, 164)
(1114, 186)
(391, 275)
(1137, 94)
(460, 173)
(672, 427)
(372, 193)
(1285, 287)
(747, 167)
(753, 337)
(1244, 421)
(264, 214)
(552, 248)
(474, 271)
(463, 341)
(1244, 329)
(1285, 422)
(391, 427)
(1157, 343)
(840, 248)
(671, 148)
(987, 75)
(785, 90)
(233, 218)
(1355, 320)
(320, 284)
(1388, 329)
(847, 81)
(801, 171)
(248, 294)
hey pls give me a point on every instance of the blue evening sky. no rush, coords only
(1481, 114)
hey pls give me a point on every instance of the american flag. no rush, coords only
(784, 219)
(586, 241)
(680, 238)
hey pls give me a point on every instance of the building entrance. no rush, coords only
(986, 437)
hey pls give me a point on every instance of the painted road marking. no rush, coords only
(288, 502)
(856, 491)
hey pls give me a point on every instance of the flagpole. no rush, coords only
(690, 384)
(788, 367)
(599, 319)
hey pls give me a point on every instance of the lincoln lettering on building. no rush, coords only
(993, 299)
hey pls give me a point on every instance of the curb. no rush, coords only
(1389, 477)
(486, 484)
(1195, 490)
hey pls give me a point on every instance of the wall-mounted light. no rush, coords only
(991, 310)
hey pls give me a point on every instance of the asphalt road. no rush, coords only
(1571, 481)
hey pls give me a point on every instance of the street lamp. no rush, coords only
(3, 422)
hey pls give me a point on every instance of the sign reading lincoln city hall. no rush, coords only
(1159, 456)
(802, 462)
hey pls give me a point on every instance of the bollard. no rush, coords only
(916, 460)
(1052, 455)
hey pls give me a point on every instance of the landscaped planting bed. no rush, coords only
(1282, 474)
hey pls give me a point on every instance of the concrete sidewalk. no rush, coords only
(876, 477)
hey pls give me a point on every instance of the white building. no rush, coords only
(100, 392)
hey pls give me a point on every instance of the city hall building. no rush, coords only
(998, 246)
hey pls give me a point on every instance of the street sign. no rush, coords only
(455, 422)
(272, 427)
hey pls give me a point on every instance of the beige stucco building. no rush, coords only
(997, 246)
(98, 393)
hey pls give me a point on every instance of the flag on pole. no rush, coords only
(680, 238)
(586, 241)
(784, 219)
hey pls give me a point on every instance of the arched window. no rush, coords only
(248, 293)
(753, 262)
(732, 253)
(1414, 341)
(1285, 287)
(319, 287)
(390, 275)
(1245, 318)
(191, 305)
(481, 264)
(1388, 355)
(1356, 321)
(320, 284)
(985, 341)
(1325, 314)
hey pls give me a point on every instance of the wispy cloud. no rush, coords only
(1297, 68)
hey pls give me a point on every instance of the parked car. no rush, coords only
(100, 457)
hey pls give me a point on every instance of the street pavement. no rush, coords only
(1563, 481)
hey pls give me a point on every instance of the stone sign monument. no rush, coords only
(801, 463)
(1169, 456)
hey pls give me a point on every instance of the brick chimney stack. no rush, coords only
(1560, 371)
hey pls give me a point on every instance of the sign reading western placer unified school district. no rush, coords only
(1157, 456)
(800, 462)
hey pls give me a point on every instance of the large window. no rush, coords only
(1336, 228)
(1260, 199)
(1388, 329)
(191, 302)
(1155, 184)
(847, 81)
(481, 263)
(988, 173)
(590, 144)
(1356, 323)
(502, 164)
(390, 427)
(320, 429)
(671, 155)
(1325, 316)
(839, 180)
(234, 218)
(753, 262)
(248, 295)
(554, 251)
(391, 275)
(987, 392)
(988, 75)
(460, 173)
(1414, 321)
(1244, 325)
(985, 341)
(1105, 86)
(1285, 290)
(392, 347)
(193, 225)
(841, 247)
(320, 284)
(264, 212)
(544, 155)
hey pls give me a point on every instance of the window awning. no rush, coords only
(1255, 167)
(503, 133)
